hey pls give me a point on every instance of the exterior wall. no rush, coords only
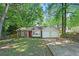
(27, 35)
(18, 34)
(22, 34)
(36, 33)
(49, 32)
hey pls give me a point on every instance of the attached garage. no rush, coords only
(50, 32)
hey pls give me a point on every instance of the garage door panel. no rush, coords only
(45, 34)
(49, 33)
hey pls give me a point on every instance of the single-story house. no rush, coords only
(24, 32)
(38, 31)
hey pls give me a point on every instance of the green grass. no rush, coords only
(23, 47)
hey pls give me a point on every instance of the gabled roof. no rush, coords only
(36, 27)
(24, 28)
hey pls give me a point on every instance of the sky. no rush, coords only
(44, 6)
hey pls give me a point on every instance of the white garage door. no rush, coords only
(49, 33)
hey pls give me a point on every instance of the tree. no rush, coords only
(23, 15)
(63, 19)
(57, 14)
(53, 14)
(73, 18)
(3, 17)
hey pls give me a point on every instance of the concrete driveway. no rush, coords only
(65, 49)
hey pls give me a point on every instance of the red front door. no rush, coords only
(30, 33)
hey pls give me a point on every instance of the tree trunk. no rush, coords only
(63, 19)
(3, 18)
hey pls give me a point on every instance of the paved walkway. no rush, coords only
(64, 49)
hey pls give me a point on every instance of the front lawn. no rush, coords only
(24, 47)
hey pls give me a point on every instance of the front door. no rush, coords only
(30, 33)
